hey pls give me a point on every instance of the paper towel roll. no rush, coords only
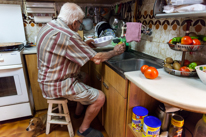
(42, 19)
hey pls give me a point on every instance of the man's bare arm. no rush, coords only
(103, 56)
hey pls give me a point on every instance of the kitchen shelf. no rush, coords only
(136, 134)
(158, 12)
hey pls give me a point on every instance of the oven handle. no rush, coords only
(11, 67)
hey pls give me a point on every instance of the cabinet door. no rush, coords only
(31, 62)
(96, 82)
(114, 111)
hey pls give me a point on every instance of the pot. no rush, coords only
(165, 117)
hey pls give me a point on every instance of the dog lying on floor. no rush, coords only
(37, 125)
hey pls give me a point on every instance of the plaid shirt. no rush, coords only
(60, 52)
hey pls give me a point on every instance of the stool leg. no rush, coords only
(48, 118)
(69, 126)
(60, 111)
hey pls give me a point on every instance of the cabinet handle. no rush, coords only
(105, 85)
(98, 78)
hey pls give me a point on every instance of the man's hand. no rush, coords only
(103, 56)
(119, 49)
(88, 42)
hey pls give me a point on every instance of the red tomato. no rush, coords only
(186, 63)
(143, 68)
(170, 41)
(186, 40)
(151, 73)
(184, 68)
(196, 42)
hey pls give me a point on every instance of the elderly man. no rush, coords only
(61, 53)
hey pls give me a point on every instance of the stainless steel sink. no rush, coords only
(133, 64)
(123, 56)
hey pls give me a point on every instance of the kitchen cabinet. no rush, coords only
(113, 113)
(137, 97)
(31, 63)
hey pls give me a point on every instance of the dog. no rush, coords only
(37, 125)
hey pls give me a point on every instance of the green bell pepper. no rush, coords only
(194, 37)
(192, 65)
(202, 38)
(176, 40)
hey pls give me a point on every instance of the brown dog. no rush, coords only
(37, 125)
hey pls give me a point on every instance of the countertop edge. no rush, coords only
(147, 90)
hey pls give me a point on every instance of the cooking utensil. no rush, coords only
(88, 24)
(164, 116)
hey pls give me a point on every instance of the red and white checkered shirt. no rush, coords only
(60, 52)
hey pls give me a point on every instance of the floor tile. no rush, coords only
(14, 135)
(8, 129)
(22, 125)
(25, 134)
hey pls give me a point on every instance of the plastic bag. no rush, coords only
(185, 8)
(185, 2)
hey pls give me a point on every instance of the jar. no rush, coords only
(200, 128)
(137, 118)
(177, 123)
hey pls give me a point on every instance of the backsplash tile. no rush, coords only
(165, 29)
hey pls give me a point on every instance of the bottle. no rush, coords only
(175, 129)
(200, 128)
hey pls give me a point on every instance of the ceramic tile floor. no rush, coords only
(17, 128)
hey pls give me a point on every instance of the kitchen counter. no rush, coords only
(187, 93)
(33, 49)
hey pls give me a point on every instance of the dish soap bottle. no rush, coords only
(200, 128)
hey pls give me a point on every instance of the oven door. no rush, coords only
(13, 88)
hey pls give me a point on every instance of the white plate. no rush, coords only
(103, 41)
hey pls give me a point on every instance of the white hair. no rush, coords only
(70, 12)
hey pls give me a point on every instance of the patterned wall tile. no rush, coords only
(174, 28)
(198, 26)
(164, 37)
(157, 28)
(154, 49)
(142, 46)
(165, 51)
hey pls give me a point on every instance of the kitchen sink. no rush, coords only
(133, 64)
(123, 56)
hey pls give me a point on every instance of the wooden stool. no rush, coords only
(50, 120)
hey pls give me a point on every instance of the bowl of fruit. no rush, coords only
(201, 72)
(187, 43)
(173, 67)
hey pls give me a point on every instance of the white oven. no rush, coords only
(12, 85)
(14, 90)
(15, 95)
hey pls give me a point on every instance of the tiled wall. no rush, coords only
(165, 29)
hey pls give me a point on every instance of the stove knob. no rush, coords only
(1, 59)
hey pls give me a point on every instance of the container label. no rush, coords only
(137, 123)
(150, 132)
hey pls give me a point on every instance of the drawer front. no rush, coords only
(10, 58)
(115, 80)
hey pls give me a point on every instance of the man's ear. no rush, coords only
(74, 24)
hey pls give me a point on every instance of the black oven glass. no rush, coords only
(7, 86)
